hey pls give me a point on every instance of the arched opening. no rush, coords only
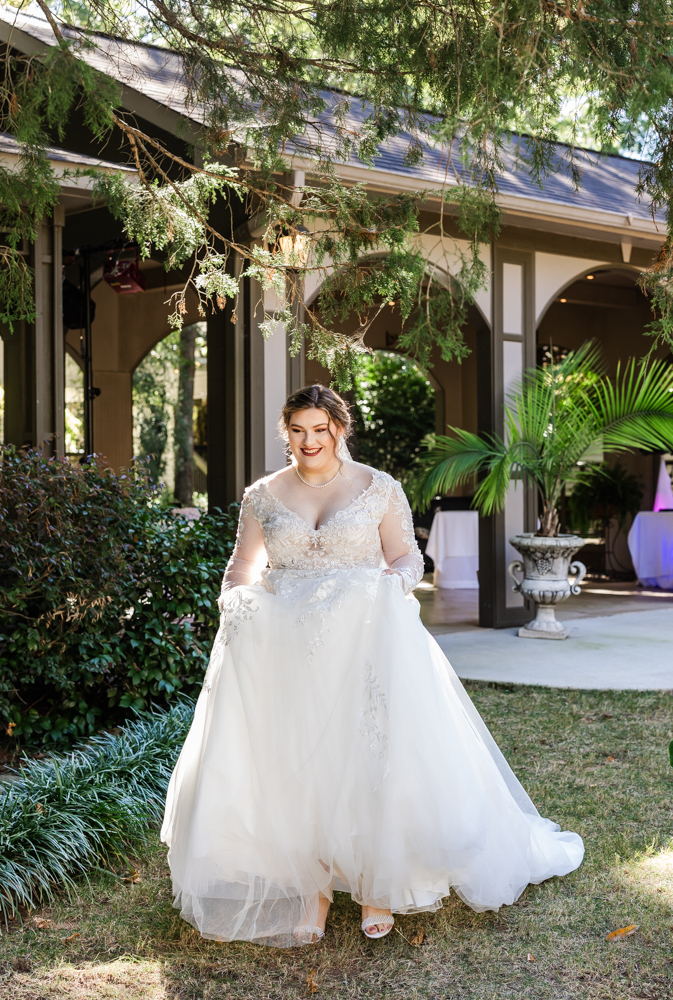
(605, 304)
(161, 387)
(124, 331)
(454, 387)
(391, 391)
(454, 384)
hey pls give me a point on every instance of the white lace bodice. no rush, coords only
(375, 530)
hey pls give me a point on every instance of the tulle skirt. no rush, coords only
(333, 747)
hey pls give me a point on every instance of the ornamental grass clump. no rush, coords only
(108, 602)
(68, 814)
(554, 420)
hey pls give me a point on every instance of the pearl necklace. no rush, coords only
(315, 486)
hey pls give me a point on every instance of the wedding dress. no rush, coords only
(333, 746)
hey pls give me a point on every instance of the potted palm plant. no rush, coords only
(554, 419)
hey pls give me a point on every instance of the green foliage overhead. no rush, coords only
(277, 80)
(108, 603)
(394, 411)
(38, 96)
(552, 422)
(66, 815)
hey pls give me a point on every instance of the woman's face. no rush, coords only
(311, 443)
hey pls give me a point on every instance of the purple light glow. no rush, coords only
(663, 499)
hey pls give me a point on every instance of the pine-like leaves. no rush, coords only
(320, 84)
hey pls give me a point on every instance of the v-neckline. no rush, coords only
(334, 515)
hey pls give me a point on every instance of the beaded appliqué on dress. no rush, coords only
(325, 600)
(349, 540)
(374, 714)
(236, 608)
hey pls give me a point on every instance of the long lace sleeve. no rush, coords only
(249, 555)
(400, 550)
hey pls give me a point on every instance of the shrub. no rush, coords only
(107, 601)
(602, 493)
(68, 814)
(395, 410)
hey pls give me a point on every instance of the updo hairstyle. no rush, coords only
(321, 398)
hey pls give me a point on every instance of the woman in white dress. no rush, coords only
(333, 746)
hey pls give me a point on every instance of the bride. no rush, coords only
(333, 747)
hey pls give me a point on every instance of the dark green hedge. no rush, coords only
(108, 602)
(391, 391)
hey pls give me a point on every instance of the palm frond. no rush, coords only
(451, 462)
(491, 493)
(553, 418)
(636, 410)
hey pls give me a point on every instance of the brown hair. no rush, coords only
(322, 398)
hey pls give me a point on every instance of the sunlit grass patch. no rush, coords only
(650, 874)
(117, 980)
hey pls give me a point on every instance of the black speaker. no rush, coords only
(74, 307)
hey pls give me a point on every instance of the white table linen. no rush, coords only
(651, 548)
(453, 546)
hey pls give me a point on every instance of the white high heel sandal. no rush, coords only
(305, 934)
(377, 918)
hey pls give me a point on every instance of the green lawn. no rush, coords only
(123, 940)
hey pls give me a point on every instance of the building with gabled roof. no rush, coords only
(563, 269)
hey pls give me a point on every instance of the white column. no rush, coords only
(512, 368)
(58, 331)
(275, 389)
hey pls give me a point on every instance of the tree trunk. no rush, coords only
(549, 522)
(184, 430)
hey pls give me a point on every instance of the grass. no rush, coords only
(122, 939)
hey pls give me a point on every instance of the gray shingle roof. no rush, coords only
(608, 182)
(152, 71)
(9, 146)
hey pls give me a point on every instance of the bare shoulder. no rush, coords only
(361, 475)
(365, 469)
(279, 476)
(358, 471)
(257, 488)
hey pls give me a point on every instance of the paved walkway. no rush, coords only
(458, 610)
(631, 650)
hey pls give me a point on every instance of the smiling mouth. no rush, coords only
(310, 452)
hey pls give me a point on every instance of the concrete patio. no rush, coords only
(621, 638)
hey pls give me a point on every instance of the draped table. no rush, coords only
(453, 546)
(651, 548)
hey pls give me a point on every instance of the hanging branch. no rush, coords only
(273, 80)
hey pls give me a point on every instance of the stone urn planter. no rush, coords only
(545, 568)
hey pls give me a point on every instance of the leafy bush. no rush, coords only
(107, 601)
(68, 814)
(395, 409)
(600, 494)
